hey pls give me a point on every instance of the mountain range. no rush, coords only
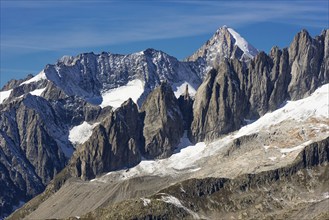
(146, 136)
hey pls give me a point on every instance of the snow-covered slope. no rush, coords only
(4, 95)
(36, 78)
(81, 133)
(316, 105)
(38, 92)
(115, 97)
(247, 49)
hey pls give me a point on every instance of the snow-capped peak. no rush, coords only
(223, 45)
(247, 48)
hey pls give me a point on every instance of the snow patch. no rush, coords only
(266, 147)
(36, 78)
(4, 95)
(326, 195)
(272, 158)
(249, 50)
(173, 200)
(179, 89)
(146, 202)
(299, 147)
(37, 92)
(139, 53)
(115, 97)
(81, 133)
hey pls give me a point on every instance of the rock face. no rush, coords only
(306, 56)
(28, 144)
(114, 144)
(218, 106)
(163, 122)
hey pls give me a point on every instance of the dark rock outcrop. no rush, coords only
(163, 122)
(185, 103)
(114, 144)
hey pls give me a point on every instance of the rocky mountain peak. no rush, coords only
(225, 43)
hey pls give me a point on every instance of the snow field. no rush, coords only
(115, 97)
(81, 133)
(4, 95)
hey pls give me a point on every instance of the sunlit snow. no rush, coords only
(115, 97)
(316, 105)
(176, 202)
(81, 133)
(37, 92)
(179, 89)
(299, 147)
(243, 44)
(36, 78)
(4, 95)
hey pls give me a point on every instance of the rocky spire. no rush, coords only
(163, 122)
(186, 93)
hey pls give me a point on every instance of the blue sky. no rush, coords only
(35, 33)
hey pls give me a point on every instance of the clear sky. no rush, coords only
(37, 32)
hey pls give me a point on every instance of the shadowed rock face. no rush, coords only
(185, 103)
(163, 122)
(218, 105)
(114, 144)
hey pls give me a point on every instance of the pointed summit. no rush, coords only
(225, 43)
(247, 48)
